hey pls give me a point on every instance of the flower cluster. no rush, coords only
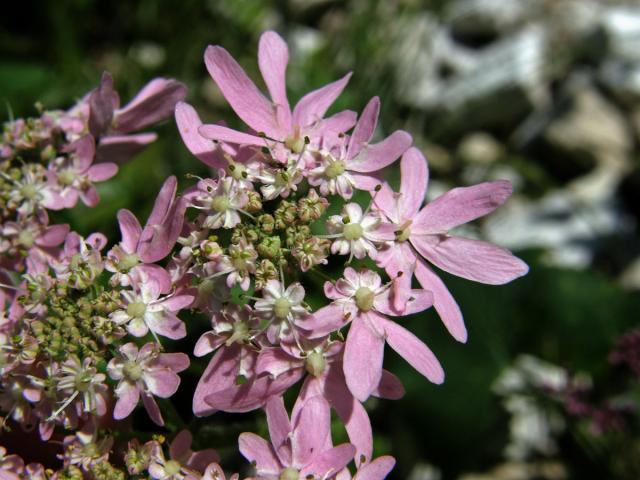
(298, 197)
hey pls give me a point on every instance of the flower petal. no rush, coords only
(378, 469)
(314, 105)
(413, 350)
(375, 157)
(226, 134)
(130, 229)
(461, 205)
(414, 177)
(256, 449)
(366, 126)
(471, 259)
(205, 150)
(279, 428)
(330, 461)
(244, 97)
(273, 57)
(311, 429)
(363, 354)
(443, 301)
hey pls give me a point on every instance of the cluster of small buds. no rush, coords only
(244, 247)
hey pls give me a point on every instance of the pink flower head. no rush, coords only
(345, 167)
(145, 372)
(114, 126)
(360, 298)
(184, 463)
(282, 307)
(145, 309)
(220, 201)
(358, 234)
(214, 472)
(76, 173)
(162, 229)
(273, 117)
(299, 447)
(422, 236)
(30, 238)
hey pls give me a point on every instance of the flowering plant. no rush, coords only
(83, 332)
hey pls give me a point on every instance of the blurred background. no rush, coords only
(545, 93)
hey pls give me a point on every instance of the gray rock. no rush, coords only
(490, 17)
(621, 29)
(623, 80)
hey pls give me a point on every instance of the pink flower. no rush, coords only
(220, 201)
(145, 309)
(282, 308)
(273, 117)
(362, 299)
(299, 447)
(161, 231)
(76, 173)
(184, 463)
(377, 469)
(323, 362)
(422, 235)
(345, 167)
(145, 372)
(214, 472)
(358, 234)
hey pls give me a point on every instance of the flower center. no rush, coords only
(220, 204)
(29, 191)
(66, 177)
(136, 309)
(403, 234)
(335, 169)
(289, 474)
(239, 334)
(294, 143)
(132, 371)
(25, 237)
(281, 308)
(352, 232)
(238, 171)
(364, 299)
(172, 468)
(128, 261)
(315, 364)
(82, 382)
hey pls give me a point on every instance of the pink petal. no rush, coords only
(443, 301)
(385, 201)
(168, 326)
(311, 430)
(314, 105)
(351, 412)
(377, 469)
(177, 361)
(163, 201)
(178, 302)
(375, 157)
(363, 354)
(366, 126)
(225, 134)
(275, 362)
(90, 197)
(154, 103)
(128, 395)
(324, 321)
(241, 93)
(102, 102)
(205, 150)
(256, 449)
(471, 259)
(84, 151)
(461, 205)
(181, 444)
(366, 181)
(199, 460)
(339, 123)
(273, 57)
(130, 229)
(279, 428)
(413, 350)
(414, 177)
(207, 343)
(162, 382)
(330, 461)
(102, 171)
(120, 148)
(53, 235)
(219, 375)
(390, 387)
(152, 409)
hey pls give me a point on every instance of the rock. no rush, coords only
(480, 148)
(623, 80)
(485, 18)
(621, 30)
(587, 125)
(630, 277)
(507, 83)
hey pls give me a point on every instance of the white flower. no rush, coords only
(282, 308)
